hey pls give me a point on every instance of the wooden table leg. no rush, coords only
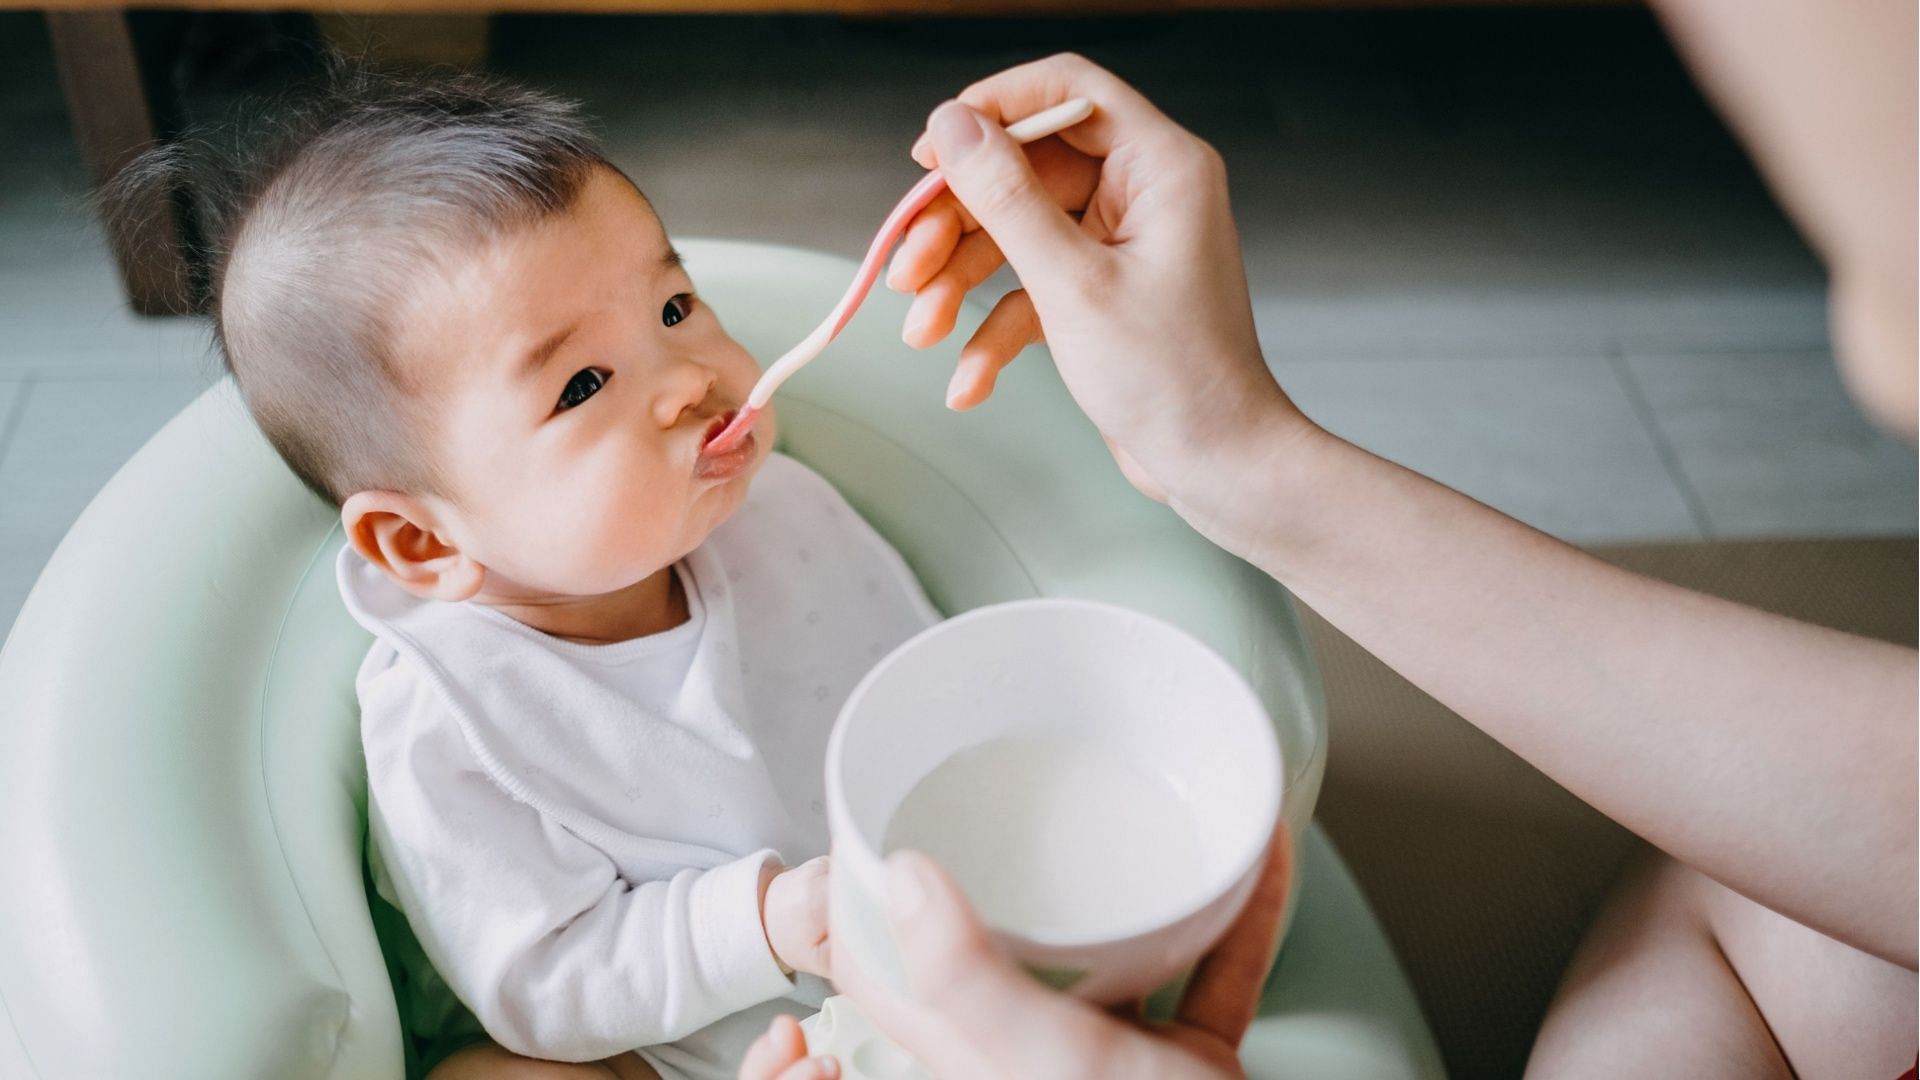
(113, 121)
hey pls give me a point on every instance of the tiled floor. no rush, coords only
(1769, 445)
(66, 438)
(1554, 441)
(1511, 249)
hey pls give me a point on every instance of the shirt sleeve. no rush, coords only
(534, 928)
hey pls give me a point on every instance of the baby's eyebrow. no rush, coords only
(544, 351)
(537, 358)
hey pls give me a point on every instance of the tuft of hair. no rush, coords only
(308, 235)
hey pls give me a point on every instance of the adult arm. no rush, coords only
(1776, 757)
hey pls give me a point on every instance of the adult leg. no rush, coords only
(1681, 976)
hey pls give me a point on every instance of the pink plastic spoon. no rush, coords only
(1038, 126)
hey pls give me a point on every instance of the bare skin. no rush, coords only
(1774, 762)
(1681, 976)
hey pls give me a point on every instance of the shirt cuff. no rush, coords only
(724, 913)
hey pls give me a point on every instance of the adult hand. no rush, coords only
(974, 1013)
(1143, 300)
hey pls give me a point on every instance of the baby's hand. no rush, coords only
(781, 1054)
(793, 910)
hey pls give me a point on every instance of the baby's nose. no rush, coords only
(682, 389)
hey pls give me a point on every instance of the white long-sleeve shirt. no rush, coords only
(576, 832)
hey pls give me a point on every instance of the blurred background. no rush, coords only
(1508, 245)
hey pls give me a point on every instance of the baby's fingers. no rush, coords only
(819, 1068)
(781, 1054)
(1011, 326)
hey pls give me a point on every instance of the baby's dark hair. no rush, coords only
(310, 235)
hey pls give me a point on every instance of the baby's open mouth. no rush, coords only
(718, 425)
(723, 460)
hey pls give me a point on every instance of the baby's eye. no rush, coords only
(584, 384)
(677, 308)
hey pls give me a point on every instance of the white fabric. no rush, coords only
(576, 832)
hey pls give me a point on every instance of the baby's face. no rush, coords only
(573, 377)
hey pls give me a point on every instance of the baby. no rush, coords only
(606, 661)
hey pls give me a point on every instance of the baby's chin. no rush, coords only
(717, 506)
(724, 500)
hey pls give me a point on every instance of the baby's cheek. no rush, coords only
(624, 540)
(575, 540)
(739, 370)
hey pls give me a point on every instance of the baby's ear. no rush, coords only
(398, 533)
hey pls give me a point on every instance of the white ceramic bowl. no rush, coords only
(1060, 669)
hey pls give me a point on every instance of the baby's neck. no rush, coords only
(653, 605)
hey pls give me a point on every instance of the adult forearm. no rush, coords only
(1775, 756)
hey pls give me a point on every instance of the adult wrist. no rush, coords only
(1251, 488)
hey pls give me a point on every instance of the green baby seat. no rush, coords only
(182, 795)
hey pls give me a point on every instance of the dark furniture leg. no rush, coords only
(113, 121)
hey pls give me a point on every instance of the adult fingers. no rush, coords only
(969, 1011)
(928, 244)
(1224, 993)
(948, 956)
(1069, 176)
(931, 317)
(1120, 111)
(1012, 325)
(992, 178)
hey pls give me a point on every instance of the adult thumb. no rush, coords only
(940, 938)
(971, 1012)
(992, 178)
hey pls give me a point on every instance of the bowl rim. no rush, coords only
(853, 852)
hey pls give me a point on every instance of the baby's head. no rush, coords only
(462, 325)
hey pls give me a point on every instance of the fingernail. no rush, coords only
(955, 130)
(915, 322)
(829, 1067)
(906, 887)
(919, 148)
(955, 386)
